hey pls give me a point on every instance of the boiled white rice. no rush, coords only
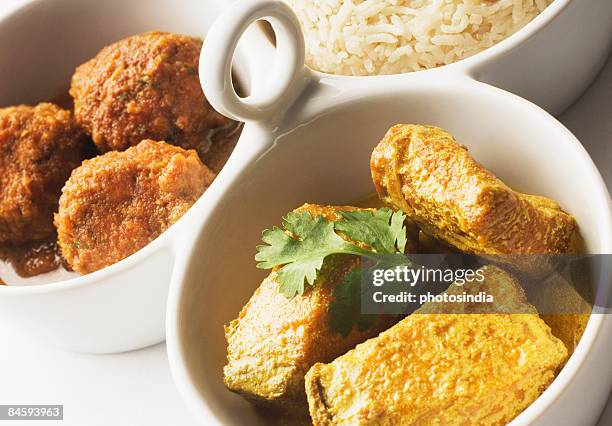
(371, 37)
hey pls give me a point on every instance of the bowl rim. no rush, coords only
(176, 347)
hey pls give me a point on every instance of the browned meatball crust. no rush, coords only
(39, 147)
(145, 87)
(118, 202)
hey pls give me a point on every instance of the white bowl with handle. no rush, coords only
(550, 61)
(308, 138)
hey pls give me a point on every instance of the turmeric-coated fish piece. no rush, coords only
(442, 369)
(423, 171)
(275, 340)
(564, 304)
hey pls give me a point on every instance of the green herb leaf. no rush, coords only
(373, 229)
(300, 254)
(301, 247)
(345, 308)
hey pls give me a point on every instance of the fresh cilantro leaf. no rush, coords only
(345, 308)
(306, 238)
(291, 276)
(300, 254)
(301, 247)
(373, 229)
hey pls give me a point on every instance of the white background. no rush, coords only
(136, 388)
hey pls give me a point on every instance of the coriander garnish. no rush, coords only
(300, 248)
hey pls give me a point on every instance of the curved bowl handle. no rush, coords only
(286, 77)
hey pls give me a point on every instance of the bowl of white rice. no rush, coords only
(377, 37)
(547, 51)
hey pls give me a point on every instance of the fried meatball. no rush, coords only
(145, 87)
(118, 202)
(39, 147)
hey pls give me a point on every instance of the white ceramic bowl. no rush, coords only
(313, 144)
(121, 307)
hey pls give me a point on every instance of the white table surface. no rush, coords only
(136, 388)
